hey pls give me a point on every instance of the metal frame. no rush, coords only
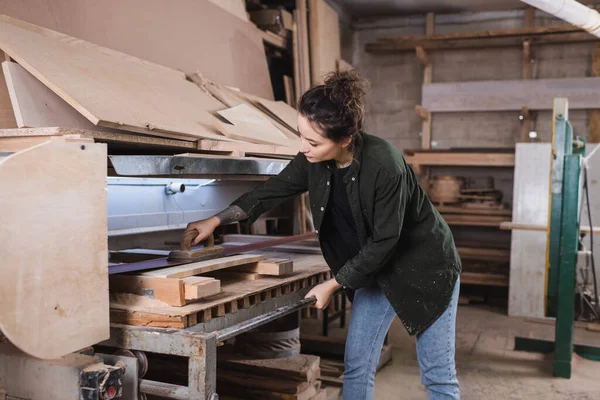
(199, 343)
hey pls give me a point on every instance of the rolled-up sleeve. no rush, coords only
(290, 182)
(388, 218)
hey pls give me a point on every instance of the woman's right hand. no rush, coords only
(204, 227)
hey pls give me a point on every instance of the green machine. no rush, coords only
(563, 245)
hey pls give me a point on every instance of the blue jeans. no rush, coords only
(370, 320)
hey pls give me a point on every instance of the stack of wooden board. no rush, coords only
(289, 378)
(180, 285)
(62, 81)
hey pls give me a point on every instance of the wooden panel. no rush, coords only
(7, 116)
(251, 125)
(269, 267)
(171, 291)
(183, 271)
(301, 368)
(235, 7)
(14, 144)
(324, 34)
(528, 248)
(194, 36)
(510, 95)
(54, 287)
(110, 88)
(303, 56)
(284, 112)
(36, 106)
(198, 287)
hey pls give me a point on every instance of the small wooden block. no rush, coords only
(198, 287)
(275, 267)
(170, 291)
(206, 253)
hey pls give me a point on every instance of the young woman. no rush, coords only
(386, 244)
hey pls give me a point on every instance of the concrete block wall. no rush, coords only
(396, 80)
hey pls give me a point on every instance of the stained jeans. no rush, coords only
(370, 320)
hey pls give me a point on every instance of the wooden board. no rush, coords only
(324, 34)
(109, 88)
(7, 116)
(138, 141)
(284, 112)
(303, 55)
(537, 94)
(463, 159)
(273, 267)
(528, 248)
(15, 144)
(53, 248)
(301, 368)
(36, 106)
(251, 125)
(183, 271)
(194, 36)
(235, 7)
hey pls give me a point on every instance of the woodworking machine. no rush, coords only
(564, 235)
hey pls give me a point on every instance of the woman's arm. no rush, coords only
(390, 203)
(290, 182)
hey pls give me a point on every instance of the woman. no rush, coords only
(382, 238)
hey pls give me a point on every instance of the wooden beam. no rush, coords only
(527, 60)
(499, 38)
(422, 112)
(525, 124)
(594, 115)
(510, 95)
(463, 159)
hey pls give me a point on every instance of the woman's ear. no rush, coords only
(346, 142)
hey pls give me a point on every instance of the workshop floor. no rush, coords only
(487, 366)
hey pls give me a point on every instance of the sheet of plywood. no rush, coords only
(36, 106)
(251, 125)
(528, 248)
(235, 7)
(536, 94)
(183, 271)
(7, 116)
(109, 88)
(324, 34)
(53, 249)
(195, 35)
(284, 112)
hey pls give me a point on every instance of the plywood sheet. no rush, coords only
(195, 35)
(53, 249)
(36, 106)
(284, 112)
(528, 248)
(235, 7)
(7, 116)
(110, 88)
(324, 34)
(535, 94)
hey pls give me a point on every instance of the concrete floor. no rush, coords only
(487, 366)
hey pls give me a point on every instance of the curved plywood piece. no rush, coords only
(53, 248)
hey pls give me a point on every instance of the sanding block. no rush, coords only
(208, 252)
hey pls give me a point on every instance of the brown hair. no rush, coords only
(336, 107)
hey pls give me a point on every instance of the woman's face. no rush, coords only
(315, 146)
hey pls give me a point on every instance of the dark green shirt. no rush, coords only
(407, 247)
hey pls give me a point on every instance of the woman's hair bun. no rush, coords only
(348, 89)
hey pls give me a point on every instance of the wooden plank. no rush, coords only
(54, 289)
(170, 291)
(284, 112)
(325, 45)
(483, 39)
(7, 115)
(252, 126)
(14, 144)
(257, 381)
(463, 159)
(475, 220)
(510, 95)
(537, 227)
(196, 36)
(235, 7)
(473, 211)
(274, 267)
(247, 148)
(304, 50)
(183, 271)
(110, 88)
(528, 248)
(594, 115)
(474, 278)
(290, 93)
(471, 253)
(198, 287)
(301, 367)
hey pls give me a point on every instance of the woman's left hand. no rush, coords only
(323, 292)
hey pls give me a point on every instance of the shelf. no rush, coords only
(475, 220)
(473, 211)
(475, 278)
(464, 159)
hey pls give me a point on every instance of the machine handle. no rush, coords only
(188, 235)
